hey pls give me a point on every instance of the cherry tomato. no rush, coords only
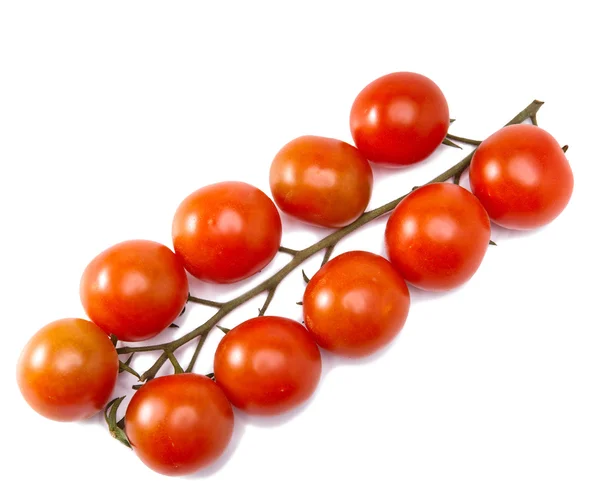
(399, 119)
(268, 365)
(179, 424)
(134, 289)
(522, 177)
(355, 304)
(321, 180)
(226, 232)
(437, 236)
(68, 369)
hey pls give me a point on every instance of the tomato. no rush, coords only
(268, 365)
(134, 289)
(226, 232)
(179, 424)
(355, 304)
(437, 236)
(68, 369)
(321, 180)
(399, 119)
(522, 177)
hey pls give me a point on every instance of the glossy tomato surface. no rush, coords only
(437, 236)
(268, 365)
(68, 369)
(226, 232)
(134, 289)
(321, 181)
(399, 119)
(522, 177)
(355, 304)
(179, 424)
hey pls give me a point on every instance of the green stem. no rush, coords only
(201, 339)
(469, 141)
(175, 362)
(270, 295)
(205, 302)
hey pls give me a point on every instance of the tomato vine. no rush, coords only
(270, 285)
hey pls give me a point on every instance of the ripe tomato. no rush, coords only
(68, 370)
(399, 119)
(268, 365)
(179, 424)
(226, 232)
(437, 236)
(522, 177)
(355, 304)
(134, 289)
(321, 180)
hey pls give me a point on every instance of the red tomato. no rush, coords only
(68, 369)
(522, 177)
(321, 180)
(226, 232)
(399, 119)
(268, 365)
(134, 289)
(355, 304)
(437, 236)
(179, 424)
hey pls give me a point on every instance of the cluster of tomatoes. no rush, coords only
(356, 303)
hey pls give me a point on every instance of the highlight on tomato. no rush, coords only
(322, 181)
(67, 370)
(268, 365)
(226, 232)
(356, 304)
(399, 119)
(522, 177)
(179, 424)
(134, 289)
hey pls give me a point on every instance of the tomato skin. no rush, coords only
(399, 119)
(226, 232)
(437, 236)
(268, 365)
(322, 181)
(67, 370)
(522, 177)
(179, 424)
(134, 289)
(356, 304)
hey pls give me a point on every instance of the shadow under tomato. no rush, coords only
(236, 438)
(419, 295)
(500, 233)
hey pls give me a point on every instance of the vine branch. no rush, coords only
(298, 257)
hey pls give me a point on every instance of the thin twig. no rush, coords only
(450, 143)
(263, 309)
(469, 141)
(175, 362)
(201, 339)
(205, 302)
(327, 255)
(151, 373)
(289, 251)
(125, 367)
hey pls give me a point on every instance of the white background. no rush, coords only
(112, 112)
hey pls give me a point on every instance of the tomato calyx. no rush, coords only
(116, 427)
